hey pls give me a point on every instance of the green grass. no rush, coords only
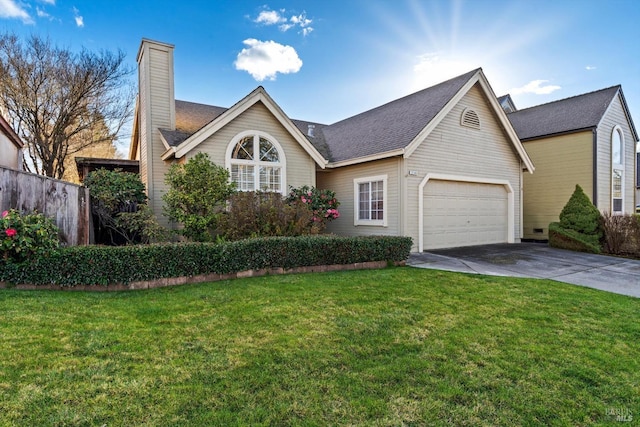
(399, 346)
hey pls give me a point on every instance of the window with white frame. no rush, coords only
(617, 171)
(256, 162)
(370, 198)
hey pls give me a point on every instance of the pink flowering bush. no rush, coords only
(322, 203)
(25, 236)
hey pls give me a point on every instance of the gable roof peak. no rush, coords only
(392, 127)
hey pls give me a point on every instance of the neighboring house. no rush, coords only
(443, 165)
(10, 147)
(588, 140)
(638, 182)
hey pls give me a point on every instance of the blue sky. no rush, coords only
(327, 60)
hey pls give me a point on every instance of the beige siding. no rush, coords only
(9, 153)
(561, 163)
(341, 181)
(615, 116)
(300, 167)
(453, 149)
(145, 121)
(157, 110)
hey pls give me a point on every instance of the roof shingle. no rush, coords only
(566, 115)
(389, 127)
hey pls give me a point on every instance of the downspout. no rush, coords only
(521, 185)
(595, 166)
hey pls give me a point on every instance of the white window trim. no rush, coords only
(356, 202)
(618, 166)
(257, 163)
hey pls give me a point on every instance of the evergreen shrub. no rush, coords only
(111, 265)
(579, 228)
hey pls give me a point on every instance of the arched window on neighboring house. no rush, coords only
(256, 161)
(617, 170)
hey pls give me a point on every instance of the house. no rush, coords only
(443, 165)
(637, 182)
(10, 147)
(588, 140)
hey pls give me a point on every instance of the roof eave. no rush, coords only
(11, 134)
(364, 159)
(628, 115)
(169, 154)
(135, 134)
(551, 135)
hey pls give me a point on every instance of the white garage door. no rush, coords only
(464, 214)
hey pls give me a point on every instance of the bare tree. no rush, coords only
(61, 102)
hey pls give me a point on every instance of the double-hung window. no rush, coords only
(370, 200)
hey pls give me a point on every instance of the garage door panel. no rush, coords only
(464, 214)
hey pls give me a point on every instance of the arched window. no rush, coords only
(256, 162)
(617, 170)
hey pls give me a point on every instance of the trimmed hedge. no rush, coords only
(106, 265)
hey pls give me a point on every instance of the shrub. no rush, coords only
(118, 204)
(143, 225)
(322, 203)
(621, 234)
(580, 215)
(25, 237)
(197, 195)
(105, 265)
(563, 238)
(259, 214)
(579, 228)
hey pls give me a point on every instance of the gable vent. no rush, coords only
(470, 119)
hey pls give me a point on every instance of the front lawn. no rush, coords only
(380, 347)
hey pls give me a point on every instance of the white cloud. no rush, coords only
(589, 67)
(303, 22)
(51, 2)
(273, 17)
(10, 9)
(42, 14)
(265, 59)
(270, 17)
(536, 87)
(79, 19)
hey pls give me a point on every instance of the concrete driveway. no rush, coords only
(537, 260)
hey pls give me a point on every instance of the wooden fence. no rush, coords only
(66, 203)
